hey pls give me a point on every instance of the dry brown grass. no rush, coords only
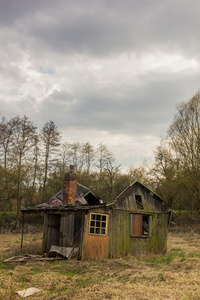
(173, 276)
(11, 244)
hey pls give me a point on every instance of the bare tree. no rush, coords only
(164, 173)
(103, 156)
(184, 136)
(89, 155)
(35, 159)
(5, 148)
(75, 158)
(111, 170)
(51, 139)
(23, 139)
(74, 155)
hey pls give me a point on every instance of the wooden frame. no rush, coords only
(98, 224)
(140, 225)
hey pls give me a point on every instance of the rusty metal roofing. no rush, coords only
(84, 197)
(81, 192)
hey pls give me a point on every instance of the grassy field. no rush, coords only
(173, 276)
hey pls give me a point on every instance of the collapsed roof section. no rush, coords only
(83, 197)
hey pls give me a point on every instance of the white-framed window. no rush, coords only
(140, 225)
(98, 224)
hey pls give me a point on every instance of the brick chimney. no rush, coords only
(70, 187)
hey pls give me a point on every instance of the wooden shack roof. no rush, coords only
(85, 199)
(144, 187)
(61, 209)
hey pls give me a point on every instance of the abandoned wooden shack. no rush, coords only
(135, 222)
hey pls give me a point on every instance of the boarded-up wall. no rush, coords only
(121, 243)
(51, 231)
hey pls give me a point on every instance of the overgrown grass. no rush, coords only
(7, 213)
(172, 254)
(175, 275)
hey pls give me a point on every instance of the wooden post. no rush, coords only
(22, 231)
(2, 222)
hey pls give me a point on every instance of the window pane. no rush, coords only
(145, 225)
(97, 231)
(98, 224)
(92, 223)
(91, 230)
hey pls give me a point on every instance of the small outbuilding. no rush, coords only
(135, 222)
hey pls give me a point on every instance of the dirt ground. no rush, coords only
(175, 275)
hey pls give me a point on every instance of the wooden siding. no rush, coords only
(127, 200)
(122, 244)
(51, 231)
(64, 230)
(78, 228)
(67, 230)
(95, 246)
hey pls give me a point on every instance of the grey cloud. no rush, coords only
(50, 50)
(106, 27)
(128, 27)
(140, 111)
(147, 109)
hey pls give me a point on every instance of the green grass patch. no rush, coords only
(124, 278)
(8, 213)
(166, 259)
(194, 255)
(175, 249)
(82, 282)
(173, 253)
(36, 271)
(69, 274)
(6, 266)
(103, 279)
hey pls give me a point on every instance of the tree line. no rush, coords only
(33, 163)
(176, 169)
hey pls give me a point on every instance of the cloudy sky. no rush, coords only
(107, 71)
